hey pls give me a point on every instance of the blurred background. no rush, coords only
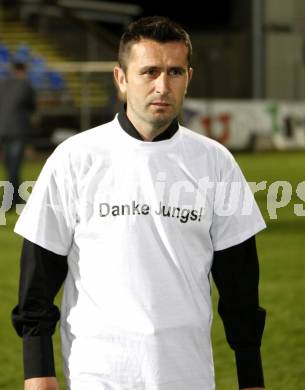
(248, 92)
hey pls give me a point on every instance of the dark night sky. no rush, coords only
(198, 14)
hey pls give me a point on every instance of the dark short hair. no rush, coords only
(157, 28)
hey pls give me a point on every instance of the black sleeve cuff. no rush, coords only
(249, 368)
(38, 357)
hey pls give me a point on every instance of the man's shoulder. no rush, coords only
(203, 143)
(96, 137)
(92, 144)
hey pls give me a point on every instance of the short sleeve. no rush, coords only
(48, 217)
(236, 216)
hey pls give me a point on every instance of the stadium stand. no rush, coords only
(68, 96)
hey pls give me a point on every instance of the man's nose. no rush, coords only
(161, 84)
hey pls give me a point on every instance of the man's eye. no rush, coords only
(151, 72)
(175, 72)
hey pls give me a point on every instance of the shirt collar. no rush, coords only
(133, 132)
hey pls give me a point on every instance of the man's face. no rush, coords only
(155, 82)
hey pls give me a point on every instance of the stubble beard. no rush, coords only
(159, 119)
(155, 119)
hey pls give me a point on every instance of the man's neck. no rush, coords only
(150, 134)
(147, 131)
(128, 126)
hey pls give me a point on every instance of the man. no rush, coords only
(130, 215)
(17, 103)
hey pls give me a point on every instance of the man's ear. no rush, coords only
(190, 75)
(120, 78)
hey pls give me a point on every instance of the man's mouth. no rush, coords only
(160, 104)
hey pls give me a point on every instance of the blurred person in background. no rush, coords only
(17, 104)
(104, 218)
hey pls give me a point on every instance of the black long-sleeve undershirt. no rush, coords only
(42, 273)
(234, 270)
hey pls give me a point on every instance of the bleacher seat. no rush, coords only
(4, 61)
(5, 55)
(22, 53)
(56, 80)
(37, 73)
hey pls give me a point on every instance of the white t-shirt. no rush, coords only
(139, 222)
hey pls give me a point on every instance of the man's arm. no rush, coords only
(35, 317)
(235, 271)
